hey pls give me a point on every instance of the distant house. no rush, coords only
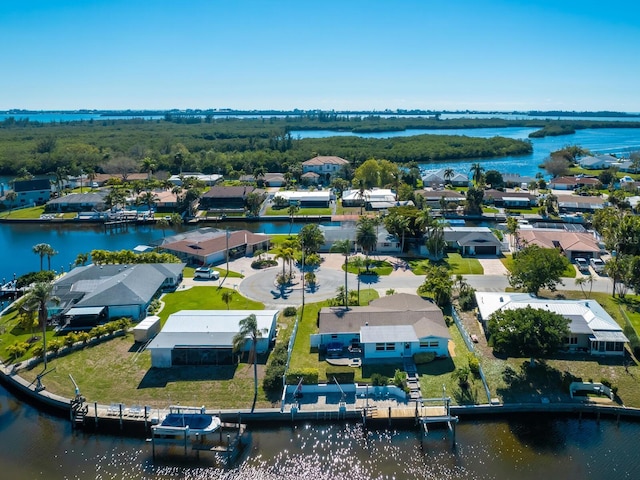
(577, 203)
(385, 243)
(326, 167)
(516, 180)
(311, 178)
(208, 180)
(592, 329)
(205, 337)
(571, 244)
(509, 199)
(95, 293)
(433, 198)
(78, 202)
(270, 179)
(208, 246)
(305, 198)
(436, 178)
(30, 192)
(355, 198)
(598, 162)
(222, 197)
(472, 240)
(389, 329)
(571, 183)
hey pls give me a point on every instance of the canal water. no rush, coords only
(36, 445)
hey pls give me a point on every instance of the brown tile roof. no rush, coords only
(391, 310)
(208, 246)
(326, 160)
(567, 241)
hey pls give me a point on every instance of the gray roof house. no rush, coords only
(470, 241)
(205, 337)
(122, 290)
(388, 329)
(386, 243)
(591, 328)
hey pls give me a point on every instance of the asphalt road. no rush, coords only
(261, 285)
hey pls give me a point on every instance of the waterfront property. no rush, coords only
(30, 192)
(355, 198)
(221, 197)
(502, 199)
(390, 328)
(438, 178)
(304, 198)
(579, 203)
(598, 162)
(571, 183)
(95, 293)
(469, 241)
(386, 243)
(592, 328)
(205, 337)
(209, 180)
(78, 202)
(208, 246)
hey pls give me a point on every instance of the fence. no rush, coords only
(467, 340)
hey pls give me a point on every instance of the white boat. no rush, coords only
(186, 422)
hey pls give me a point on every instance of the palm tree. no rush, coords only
(42, 249)
(286, 254)
(149, 166)
(435, 241)
(148, 198)
(366, 237)
(39, 296)
(448, 175)
(477, 173)
(227, 296)
(50, 252)
(11, 197)
(292, 210)
(82, 259)
(249, 329)
(343, 247)
(512, 229)
(581, 281)
(358, 262)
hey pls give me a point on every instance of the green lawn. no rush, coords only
(11, 333)
(458, 265)
(379, 267)
(300, 213)
(204, 298)
(301, 357)
(24, 213)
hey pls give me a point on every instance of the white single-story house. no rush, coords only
(385, 244)
(306, 198)
(205, 337)
(78, 202)
(470, 241)
(388, 329)
(107, 292)
(592, 328)
(209, 180)
(436, 178)
(598, 162)
(355, 198)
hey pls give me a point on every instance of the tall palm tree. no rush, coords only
(249, 329)
(435, 241)
(292, 210)
(42, 249)
(477, 173)
(343, 247)
(366, 237)
(39, 296)
(81, 259)
(286, 254)
(581, 281)
(50, 252)
(358, 262)
(148, 165)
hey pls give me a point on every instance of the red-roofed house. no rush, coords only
(571, 183)
(571, 244)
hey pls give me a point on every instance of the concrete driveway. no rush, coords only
(493, 266)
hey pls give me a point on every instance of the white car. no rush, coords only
(205, 272)
(582, 264)
(597, 265)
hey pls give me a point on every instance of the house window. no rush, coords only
(334, 336)
(424, 344)
(379, 347)
(433, 344)
(390, 346)
(572, 340)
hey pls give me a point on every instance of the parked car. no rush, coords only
(597, 265)
(582, 264)
(206, 272)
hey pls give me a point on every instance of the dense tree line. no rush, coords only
(227, 145)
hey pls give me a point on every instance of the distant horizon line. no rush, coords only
(299, 111)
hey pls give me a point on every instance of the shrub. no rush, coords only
(290, 311)
(462, 375)
(422, 358)
(17, 349)
(467, 299)
(38, 350)
(83, 337)
(379, 380)
(273, 378)
(309, 376)
(400, 379)
(70, 339)
(474, 364)
(342, 375)
(54, 346)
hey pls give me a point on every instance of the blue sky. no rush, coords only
(348, 54)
